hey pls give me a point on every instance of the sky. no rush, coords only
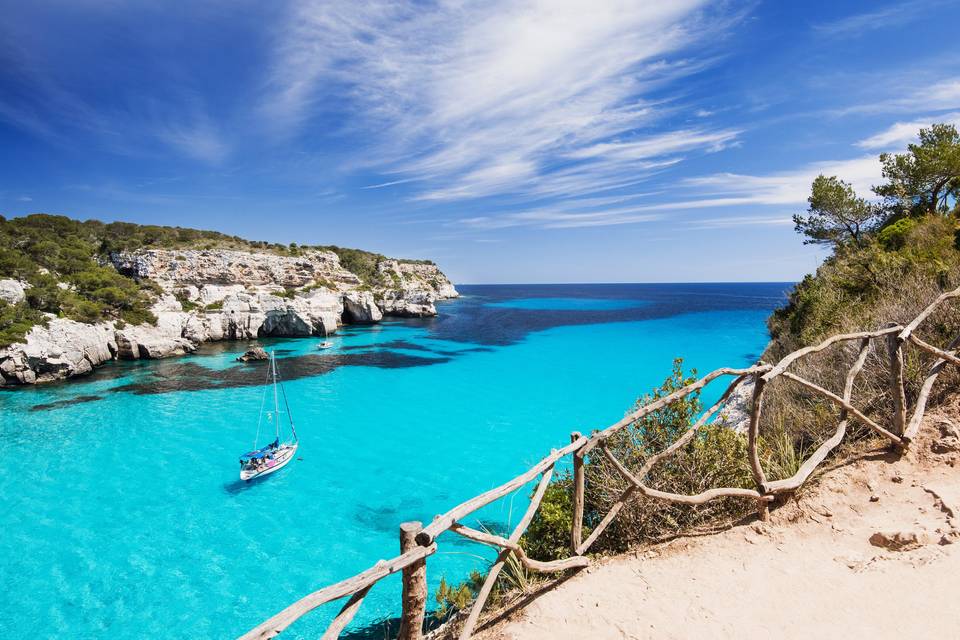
(509, 141)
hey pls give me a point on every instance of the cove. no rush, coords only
(125, 517)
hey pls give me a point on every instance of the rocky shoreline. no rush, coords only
(213, 295)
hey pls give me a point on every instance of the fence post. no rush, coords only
(576, 531)
(414, 597)
(897, 392)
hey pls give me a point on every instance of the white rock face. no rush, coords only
(736, 412)
(361, 307)
(220, 267)
(235, 295)
(12, 291)
(62, 349)
(145, 341)
(417, 286)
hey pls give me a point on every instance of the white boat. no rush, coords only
(275, 460)
(263, 461)
(324, 345)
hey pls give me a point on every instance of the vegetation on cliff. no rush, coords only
(66, 264)
(62, 262)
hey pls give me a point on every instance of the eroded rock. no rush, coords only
(360, 307)
(257, 353)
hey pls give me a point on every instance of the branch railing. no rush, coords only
(418, 542)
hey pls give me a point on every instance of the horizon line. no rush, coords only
(522, 284)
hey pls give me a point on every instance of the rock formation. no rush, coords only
(62, 349)
(251, 355)
(211, 295)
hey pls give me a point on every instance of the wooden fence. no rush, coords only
(417, 543)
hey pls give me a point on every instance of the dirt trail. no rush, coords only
(871, 551)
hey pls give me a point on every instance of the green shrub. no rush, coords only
(894, 236)
(185, 302)
(16, 320)
(717, 457)
(548, 535)
(456, 597)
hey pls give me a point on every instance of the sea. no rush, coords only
(124, 516)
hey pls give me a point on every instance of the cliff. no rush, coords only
(221, 294)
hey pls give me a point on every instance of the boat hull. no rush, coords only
(280, 459)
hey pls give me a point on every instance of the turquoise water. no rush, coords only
(124, 517)
(566, 304)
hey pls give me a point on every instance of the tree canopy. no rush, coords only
(925, 179)
(836, 215)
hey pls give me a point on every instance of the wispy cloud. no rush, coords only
(48, 104)
(899, 134)
(484, 98)
(198, 139)
(893, 15)
(912, 96)
(739, 221)
(783, 187)
(710, 192)
(390, 183)
(559, 219)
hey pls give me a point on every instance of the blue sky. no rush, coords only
(596, 141)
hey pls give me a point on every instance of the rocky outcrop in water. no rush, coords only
(211, 295)
(253, 355)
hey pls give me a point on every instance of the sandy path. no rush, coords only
(811, 572)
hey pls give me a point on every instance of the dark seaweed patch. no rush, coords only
(65, 403)
(476, 320)
(380, 519)
(170, 376)
(391, 344)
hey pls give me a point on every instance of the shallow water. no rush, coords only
(125, 518)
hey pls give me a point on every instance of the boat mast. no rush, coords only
(276, 404)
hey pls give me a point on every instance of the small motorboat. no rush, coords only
(324, 345)
(273, 457)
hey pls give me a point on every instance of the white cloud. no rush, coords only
(886, 17)
(658, 145)
(943, 95)
(199, 139)
(784, 187)
(25, 199)
(703, 193)
(739, 221)
(900, 134)
(480, 98)
(913, 97)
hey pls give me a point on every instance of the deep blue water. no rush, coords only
(124, 517)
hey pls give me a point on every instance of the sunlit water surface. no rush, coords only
(124, 516)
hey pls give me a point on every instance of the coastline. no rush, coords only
(217, 295)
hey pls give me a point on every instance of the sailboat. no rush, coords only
(273, 457)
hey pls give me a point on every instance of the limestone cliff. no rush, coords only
(210, 295)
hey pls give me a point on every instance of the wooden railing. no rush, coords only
(418, 543)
